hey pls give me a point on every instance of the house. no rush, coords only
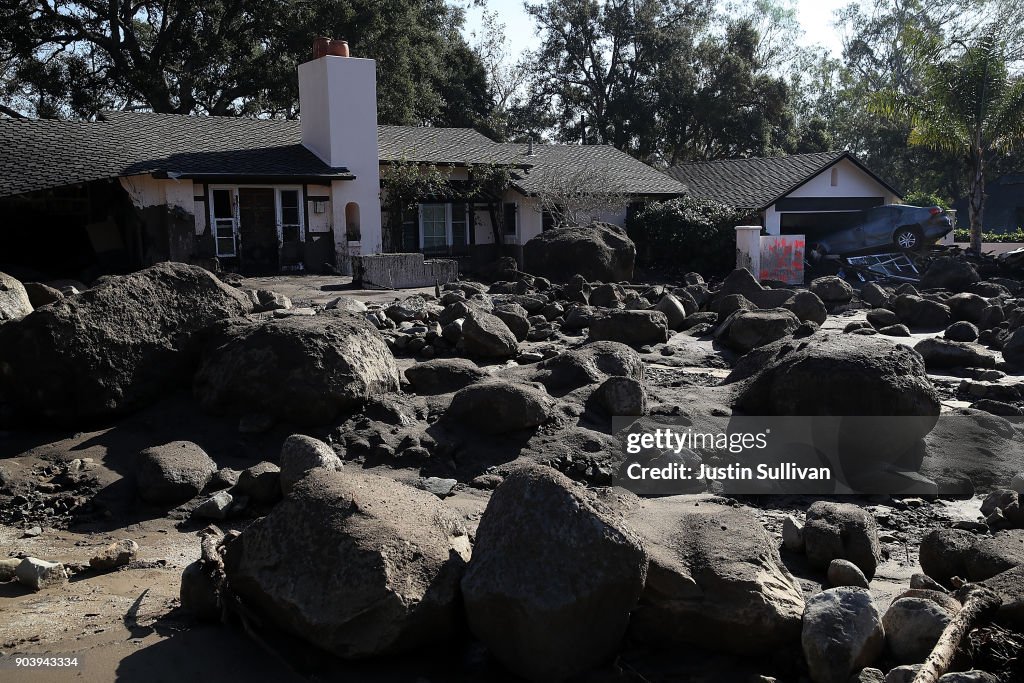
(1004, 204)
(264, 196)
(802, 194)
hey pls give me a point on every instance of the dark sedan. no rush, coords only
(892, 227)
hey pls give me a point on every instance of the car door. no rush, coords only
(877, 229)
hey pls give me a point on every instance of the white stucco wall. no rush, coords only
(852, 182)
(338, 100)
(319, 222)
(145, 190)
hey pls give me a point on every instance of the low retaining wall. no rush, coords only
(401, 271)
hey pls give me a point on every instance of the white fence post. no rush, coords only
(748, 249)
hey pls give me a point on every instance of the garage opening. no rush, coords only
(817, 225)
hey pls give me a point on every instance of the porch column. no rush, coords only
(748, 249)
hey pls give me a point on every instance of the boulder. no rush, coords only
(599, 251)
(590, 364)
(622, 396)
(792, 535)
(14, 300)
(991, 555)
(40, 574)
(299, 455)
(113, 348)
(39, 294)
(944, 353)
(260, 483)
(487, 336)
(443, 376)
(922, 313)
(498, 406)
(1009, 585)
(1013, 348)
(674, 310)
(608, 295)
(967, 307)
(740, 281)
(515, 318)
(636, 328)
(846, 573)
(949, 272)
(807, 307)
(842, 633)
(841, 531)
(304, 370)
(552, 619)
(961, 331)
(746, 330)
(715, 580)
(882, 317)
(218, 506)
(832, 289)
(913, 626)
(356, 564)
(117, 554)
(173, 473)
(943, 553)
(895, 331)
(972, 676)
(875, 295)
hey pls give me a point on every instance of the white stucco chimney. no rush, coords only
(338, 115)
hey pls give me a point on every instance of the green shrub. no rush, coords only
(964, 235)
(685, 234)
(918, 198)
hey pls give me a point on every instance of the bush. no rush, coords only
(685, 234)
(918, 198)
(964, 235)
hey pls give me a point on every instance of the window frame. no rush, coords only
(232, 191)
(279, 210)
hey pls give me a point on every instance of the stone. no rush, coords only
(1009, 585)
(846, 573)
(912, 627)
(515, 318)
(198, 593)
(8, 568)
(740, 281)
(40, 574)
(443, 376)
(388, 560)
(76, 360)
(868, 675)
(599, 251)
(442, 488)
(14, 300)
(925, 582)
(905, 673)
(875, 295)
(674, 311)
(1000, 498)
(943, 353)
(842, 633)
(218, 506)
(921, 313)
(744, 331)
(725, 306)
(305, 370)
(622, 396)
(832, 289)
(173, 473)
(943, 553)
(1013, 348)
(487, 336)
(40, 294)
(792, 535)
(1017, 483)
(264, 300)
(991, 555)
(411, 308)
(895, 331)
(715, 580)
(841, 531)
(972, 676)
(882, 317)
(550, 620)
(260, 483)
(117, 554)
(949, 272)
(635, 328)
(607, 295)
(299, 455)
(961, 331)
(967, 307)
(589, 364)
(807, 306)
(498, 407)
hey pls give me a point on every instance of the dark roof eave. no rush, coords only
(680, 193)
(458, 164)
(255, 177)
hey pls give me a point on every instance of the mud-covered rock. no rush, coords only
(444, 375)
(744, 330)
(487, 336)
(173, 473)
(636, 328)
(498, 406)
(842, 633)
(841, 531)
(599, 251)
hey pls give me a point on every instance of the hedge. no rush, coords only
(685, 234)
(964, 235)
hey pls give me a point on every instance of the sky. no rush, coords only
(815, 17)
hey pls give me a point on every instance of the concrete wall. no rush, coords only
(338, 99)
(399, 271)
(852, 182)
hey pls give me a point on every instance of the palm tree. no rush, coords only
(968, 105)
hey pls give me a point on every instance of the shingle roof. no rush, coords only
(47, 154)
(757, 183)
(613, 169)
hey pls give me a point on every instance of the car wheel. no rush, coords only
(907, 239)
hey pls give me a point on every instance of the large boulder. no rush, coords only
(841, 531)
(949, 272)
(913, 626)
(498, 406)
(357, 564)
(922, 313)
(636, 328)
(943, 553)
(173, 473)
(300, 455)
(302, 369)
(746, 330)
(113, 348)
(842, 633)
(590, 364)
(808, 307)
(715, 580)
(14, 300)
(1013, 348)
(444, 375)
(487, 336)
(945, 353)
(832, 289)
(553, 578)
(599, 251)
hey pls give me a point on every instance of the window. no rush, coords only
(509, 219)
(225, 222)
(434, 227)
(547, 220)
(835, 177)
(410, 233)
(290, 216)
(460, 226)
(352, 222)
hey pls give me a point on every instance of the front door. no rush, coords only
(257, 230)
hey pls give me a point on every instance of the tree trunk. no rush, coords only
(976, 207)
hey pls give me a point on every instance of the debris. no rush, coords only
(979, 604)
